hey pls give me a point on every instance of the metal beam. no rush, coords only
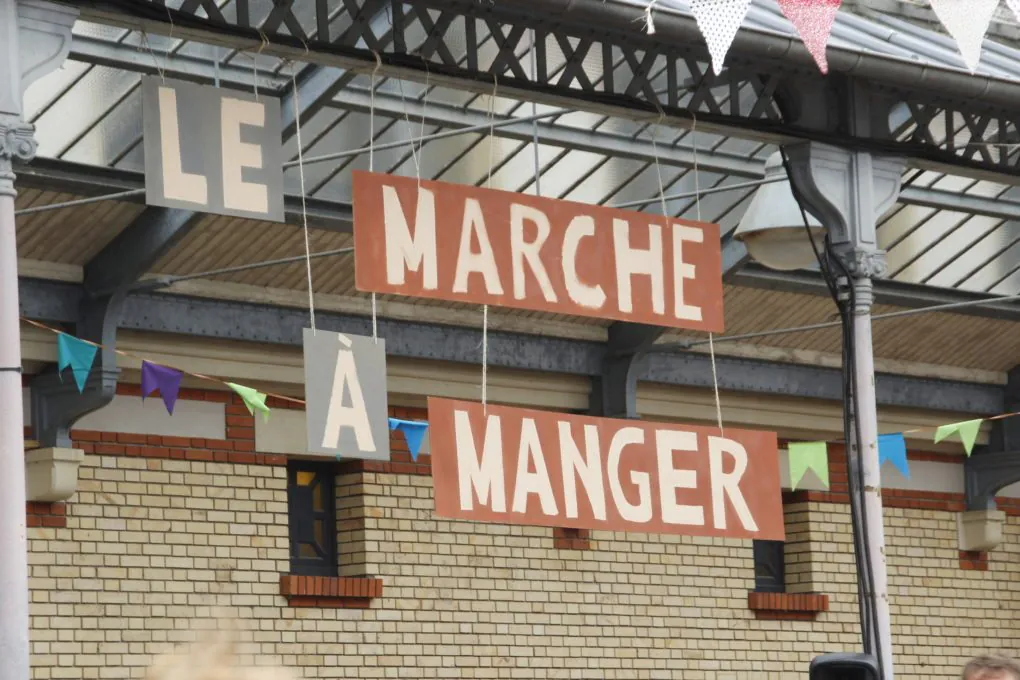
(994, 467)
(773, 70)
(163, 313)
(614, 390)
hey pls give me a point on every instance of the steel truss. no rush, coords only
(591, 55)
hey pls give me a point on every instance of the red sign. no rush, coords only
(466, 244)
(518, 466)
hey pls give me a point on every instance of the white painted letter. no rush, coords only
(484, 477)
(683, 270)
(671, 479)
(587, 469)
(355, 415)
(536, 482)
(592, 297)
(238, 194)
(482, 262)
(728, 484)
(642, 512)
(631, 262)
(403, 250)
(521, 251)
(177, 184)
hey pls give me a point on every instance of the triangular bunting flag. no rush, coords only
(813, 20)
(166, 380)
(893, 448)
(967, 21)
(719, 21)
(414, 432)
(1015, 6)
(76, 354)
(806, 456)
(253, 399)
(968, 431)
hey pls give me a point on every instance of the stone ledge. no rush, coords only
(330, 591)
(787, 606)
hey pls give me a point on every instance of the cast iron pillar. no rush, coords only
(35, 37)
(848, 191)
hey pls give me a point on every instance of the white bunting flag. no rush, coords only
(719, 21)
(967, 21)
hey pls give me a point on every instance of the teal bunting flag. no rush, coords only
(77, 355)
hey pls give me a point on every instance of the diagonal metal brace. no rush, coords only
(614, 391)
(994, 467)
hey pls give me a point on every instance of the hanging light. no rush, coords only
(772, 229)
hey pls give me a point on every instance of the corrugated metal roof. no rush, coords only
(92, 114)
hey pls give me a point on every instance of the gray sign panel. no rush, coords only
(345, 393)
(213, 150)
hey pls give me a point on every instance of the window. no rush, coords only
(311, 505)
(769, 567)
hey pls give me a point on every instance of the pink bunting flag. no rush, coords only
(813, 20)
(719, 21)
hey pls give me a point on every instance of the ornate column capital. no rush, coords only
(17, 140)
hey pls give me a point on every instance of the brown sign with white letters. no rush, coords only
(518, 466)
(467, 244)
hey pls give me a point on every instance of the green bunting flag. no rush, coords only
(806, 456)
(253, 399)
(968, 431)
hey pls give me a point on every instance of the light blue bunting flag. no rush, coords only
(77, 355)
(893, 448)
(414, 432)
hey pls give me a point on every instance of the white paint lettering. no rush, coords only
(682, 270)
(727, 484)
(405, 252)
(591, 297)
(522, 251)
(354, 416)
(177, 184)
(588, 469)
(642, 511)
(528, 482)
(469, 262)
(671, 479)
(237, 155)
(480, 478)
(632, 262)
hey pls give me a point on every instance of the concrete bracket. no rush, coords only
(980, 530)
(614, 391)
(51, 475)
(57, 405)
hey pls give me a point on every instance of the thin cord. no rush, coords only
(371, 168)
(485, 307)
(304, 206)
(711, 336)
(155, 61)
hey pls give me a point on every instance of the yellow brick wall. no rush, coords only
(150, 545)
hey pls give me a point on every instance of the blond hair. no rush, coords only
(991, 667)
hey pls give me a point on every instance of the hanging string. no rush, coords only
(488, 185)
(711, 336)
(255, 62)
(304, 206)
(415, 153)
(371, 168)
(155, 60)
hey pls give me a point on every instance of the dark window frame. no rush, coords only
(769, 566)
(302, 517)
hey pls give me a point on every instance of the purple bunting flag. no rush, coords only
(166, 380)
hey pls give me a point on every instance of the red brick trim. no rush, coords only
(177, 448)
(52, 515)
(973, 561)
(330, 592)
(787, 606)
(567, 538)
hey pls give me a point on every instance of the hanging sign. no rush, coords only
(518, 466)
(345, 393)
(214, 150)
(467, 244)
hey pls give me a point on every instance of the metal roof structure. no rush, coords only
(583, 111)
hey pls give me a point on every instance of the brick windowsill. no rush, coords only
(787, 606)
(330, 591)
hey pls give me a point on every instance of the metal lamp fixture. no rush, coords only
(772, 229)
